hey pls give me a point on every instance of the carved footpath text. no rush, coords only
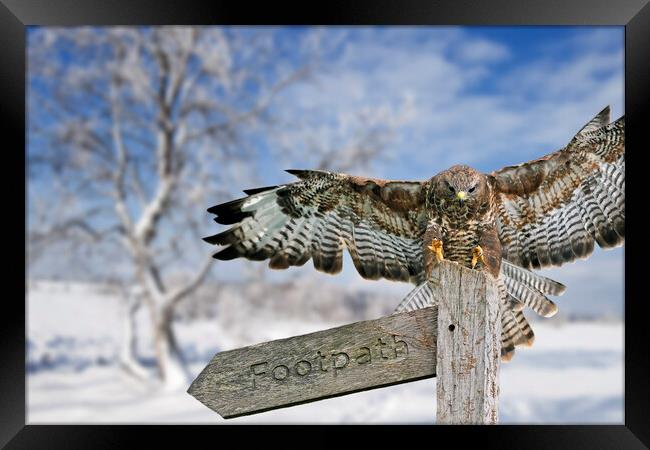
(332, 361)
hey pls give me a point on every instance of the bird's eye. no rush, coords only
(472, 189)
(451, 188)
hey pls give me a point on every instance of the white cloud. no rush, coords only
(482, 51)
(599, 39)
(529, 111)
(573, 79)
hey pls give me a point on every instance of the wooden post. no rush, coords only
(469, 345)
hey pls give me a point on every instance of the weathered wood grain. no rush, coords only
(360, 356)
(469, 346)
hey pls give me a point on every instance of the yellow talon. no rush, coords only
(477, 254)
(436, 248)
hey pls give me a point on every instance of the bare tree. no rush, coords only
(343, 141)
(132, 137)
(135, 128)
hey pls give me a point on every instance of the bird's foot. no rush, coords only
(477, 255)
(436, 248)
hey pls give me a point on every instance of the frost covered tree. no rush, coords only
(134, 132)
(131, 123)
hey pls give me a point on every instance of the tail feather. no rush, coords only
(507, 342)
(528, 288)
(530, 297)
(514, 303)
(420, 297)
(531, 279)
(525, 336)
(518, 288)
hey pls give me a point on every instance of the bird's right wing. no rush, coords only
(378, 221)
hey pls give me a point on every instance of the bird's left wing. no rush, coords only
(552, 210)
(378, 221)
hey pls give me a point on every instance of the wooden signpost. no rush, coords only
(469, 346)
(457, 340)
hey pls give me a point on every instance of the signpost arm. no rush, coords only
(351, 358)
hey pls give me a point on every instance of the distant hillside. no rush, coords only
(302, 298)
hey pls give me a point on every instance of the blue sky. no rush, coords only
(488, 97)
(483, 96)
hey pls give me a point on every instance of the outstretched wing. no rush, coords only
(552, 210)
(378, 221)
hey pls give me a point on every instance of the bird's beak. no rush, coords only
(460, 195)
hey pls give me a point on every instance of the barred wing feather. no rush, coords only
(378, 221)
(551, 210)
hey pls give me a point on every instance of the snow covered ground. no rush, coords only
(572, 375)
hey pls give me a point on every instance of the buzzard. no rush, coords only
(541, 213)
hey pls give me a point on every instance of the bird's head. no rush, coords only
(459, 188)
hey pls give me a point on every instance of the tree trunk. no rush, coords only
(171, 365)
(128, 352)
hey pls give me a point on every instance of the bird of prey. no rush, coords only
(537, 214)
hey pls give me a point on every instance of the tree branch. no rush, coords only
(167, 177)
(60, 229)
(182, 292)
(237, 118)
(145, 227)
(120, 172)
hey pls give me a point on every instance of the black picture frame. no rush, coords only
(16, 15)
